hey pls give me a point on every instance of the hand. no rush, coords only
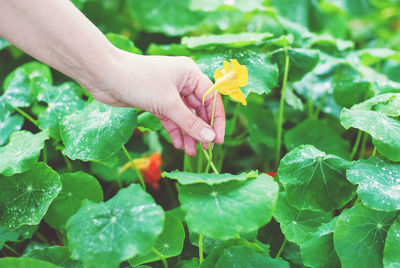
(172, 89)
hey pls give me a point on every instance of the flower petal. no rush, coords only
(238, 95)
(226, 67)
(241, 72)
(217, 74)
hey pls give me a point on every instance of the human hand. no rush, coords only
(171, 88)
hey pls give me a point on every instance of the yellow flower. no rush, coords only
(229, 79)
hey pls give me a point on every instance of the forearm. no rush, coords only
(58, 34)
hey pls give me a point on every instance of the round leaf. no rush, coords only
(10, 124)
(186, 178)
(97, 132)
(123, 43)
(25, 263)
(391, 256)
(103, 235)
(388, 104)
(56, 255)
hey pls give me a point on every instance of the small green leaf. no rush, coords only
(76, 187)
(123, 43)
(25, 263)
(97, 132)
(148, 122)
(186, 178)
(237, 206)
(56, 255)
(314, 180)
(21, 152)
(169, 243)
(10, 124)
(297, 224)
(103, 235)
(391, 256)
(359, 236)
(28, 196)
(242, 5)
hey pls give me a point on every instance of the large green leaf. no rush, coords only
(97, 132)
(378, 183)
(326, 139)
(391, 256)
(123, 43)
(21, 152)
(10, 124)
(31, 70)
(25, 263)
(62, 100)
(242, 5)
(76, 187)
(297, 224)
(384, 130)
(26, 197)
(314, 180)
(171, 17)
(169, 243)
(238, 206)
(359, 236)
(56, 255)
(388, 104)
(186, 178)
(263, 75)
(228, 40)
(103, 235)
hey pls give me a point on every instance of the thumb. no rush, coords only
(191, 124)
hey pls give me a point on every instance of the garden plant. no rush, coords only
(308, 175)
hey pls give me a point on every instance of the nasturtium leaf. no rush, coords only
(192, 263)
(228, 40)
(7, 235)
(22, 233)
(31, 70)
(3, 43)
(378, 183)
(384, 130)
(169, 243)
(242, 5)
(123, 43)
(62, 100)
(360, 234)
(297, 224)
(25, 263)
(391, 256)
(21, 152)
(10, 124)
(168, 50)
(326, 139)
(291, 252)
(314, 180)
(26, 231)
(186, 178)
(388, 104)
(370, 56)
(237, 206)
(26, 197)
(76, 187)
(57, 255)
(103, 235)
(263, 75)
(318, 250)
(171, 17)
(148, 122)
(242, 256)
(97, 132)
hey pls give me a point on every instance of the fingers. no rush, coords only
(173, 131)
(190, 145)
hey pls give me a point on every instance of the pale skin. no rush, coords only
(56, 33)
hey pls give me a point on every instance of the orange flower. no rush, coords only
(229, 79)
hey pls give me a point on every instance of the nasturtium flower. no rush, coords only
(229, 80)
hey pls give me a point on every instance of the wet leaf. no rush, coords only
(57, 255)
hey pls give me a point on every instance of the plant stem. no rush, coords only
(363, 146)
(201, 256)
(187, 163)
(211, 124)
(356, 144)
(233, 120)
(134, 167)
(281, 249)
(374, 151)
(10, 248)
(42, 238)
(44, 155)
(158, 253)
(68, 163)
(27, 116)
(281, 107)
(212, 164)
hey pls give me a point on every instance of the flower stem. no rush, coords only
(27, 116)
(10, 248)
(212, 164)
(356, 145)
(201, 256)
(281, 249)
(68, 163)
(211, 124)
(363, 146)
(134, 167)
(374, 151)
(158, 253)
(281, 107)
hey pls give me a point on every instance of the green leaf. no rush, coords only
(62, 100)
(171, 17)
(314, 180)
(241, 256)
(318, 250)
(21, 152)
(326, 139)
(186, 178)
(228, 40)
(168, 50)
(148, 122)
(378, 183)
(192, 263)
(385, 131)
(237, 206)
(169, 243)
(370, 56)
(76, 187)
(28, 196)
(103, 235)
(359, 236)
(242, 5)
(388, 104)
(97, 132)
(56, 255)
(297, 224)
(123, 43)
(25, 263)
(7, 235)
(3, 43)
(10, 124)
(391, 257)
(263, 75)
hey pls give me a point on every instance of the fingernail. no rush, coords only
(207, 134)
